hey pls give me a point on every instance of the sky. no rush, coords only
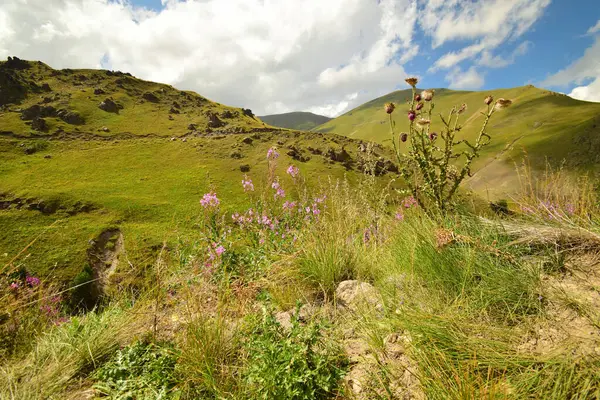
(323, 56)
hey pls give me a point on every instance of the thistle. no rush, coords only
(411, 115)
(427, 95)
(403, 137)
(488, 100)
(419, 106)
(423, 122)
(433, 136)
(502, 103)
(462, 108)
(412, 81)
(390, 107)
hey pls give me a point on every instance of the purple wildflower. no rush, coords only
(220, 250)
(289, 205)
(272, 154)
(247, 184)
(399, 215)
(411, 115)
(293, 171)
(210, 200)
(409, 202)
(32, 281)
(15, 285)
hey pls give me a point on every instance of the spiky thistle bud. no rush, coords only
(411, 115)
(433, 136)
(403, 136)
(412, 81)
(419, 106)
(488, 100)
(427, 95)
(390, 107)
(462, 108)
(417, 97)
(502, 103)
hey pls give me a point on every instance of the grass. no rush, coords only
(549, 126)
(203, 305)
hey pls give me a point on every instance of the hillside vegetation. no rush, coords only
(547, 126)
(303, 121)
(247, 262)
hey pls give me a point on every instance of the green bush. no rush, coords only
(295, 364)
(139, 371)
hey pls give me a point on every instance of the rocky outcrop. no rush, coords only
(214, 121)
(151, 97)
(71, 117)
(356, 294)
(37, 111)
(109, 105)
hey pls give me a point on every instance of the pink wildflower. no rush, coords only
(220, 250)
(293, 171)
(210, 200)
(272, 154)
(409, 202)
(32, 281)
(15, 285)
(399, 215)
(289, 205)
(247, 184)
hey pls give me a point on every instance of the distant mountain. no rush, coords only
(295, 120)
(549, 127)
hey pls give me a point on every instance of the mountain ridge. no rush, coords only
(300, 120)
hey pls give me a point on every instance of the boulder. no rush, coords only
(214, 121)
(227, 114)
(39, 124)
(36, 111)
(70, 117)
(247, 112)
(46, 87)
(354, 294)
(192, 127)
(176, 105)
(109, 106)
(173, 110)
(151, 97)
(247, 140)
(99, 91)
(245, 168)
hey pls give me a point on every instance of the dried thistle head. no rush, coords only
(412, 81)
(423, 122)
(462, 108)
(403, 137)
(427, 95)
(390, 107)
(443, 237)
(502, 103)
(433, 136)
(488, 100)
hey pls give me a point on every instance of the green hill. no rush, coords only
(72, 170)
(546, 125)
(304, 121)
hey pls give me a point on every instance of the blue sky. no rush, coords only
(323, 56)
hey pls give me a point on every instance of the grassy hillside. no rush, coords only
(546, 125)
(296, 120)
(144, 174)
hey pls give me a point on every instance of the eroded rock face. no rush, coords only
(354, 295)
(214, 121)
(109, 105)
(70, 117)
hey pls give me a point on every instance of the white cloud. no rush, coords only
(594, 29)
(585, 69)
(470, 79)
(269, 55)
(491, 61)
(488, 23)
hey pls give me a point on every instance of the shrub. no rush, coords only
(139, 371)
(428, 169)
(294, 365)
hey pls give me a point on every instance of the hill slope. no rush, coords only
(38, 100)
(296, 120)
(67, 181)
(545, 124)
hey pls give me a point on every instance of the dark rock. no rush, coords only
(46, 87)
(176, 105)
(171, 118)
(109, 106)
(98, 91)
(192, 127)
(16, 63)
(297, 155)
(39, 124)
(38, 111)
(173, 110)
(151, 97)
(227, 114)
(214, 121)
(245, 168)
(47, 156)
(71, 117)
(247, 112)
(315, 151)
(247, 140)
(338, 155)
(236, 154)
(46, 100)
(81, 78)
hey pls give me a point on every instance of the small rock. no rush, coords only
(173, 110)
(247, 140)
(352, 294)
(171, 118)
(245, 168)
(98, 91)
(105, 129)
(192, 127)
(284, 319)
(173, 139)
(109, 105)
(184, 140)
(47, 156)
(39, 124)
(236, 154)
